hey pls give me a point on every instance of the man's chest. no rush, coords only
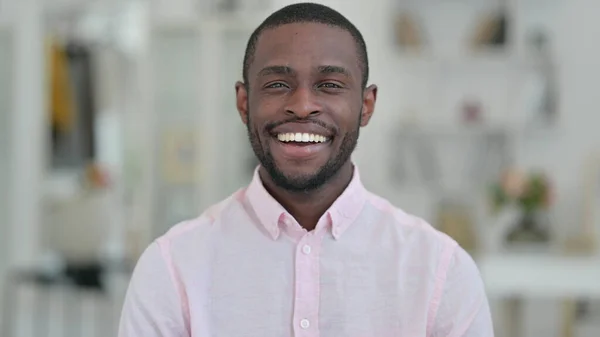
(300, 293)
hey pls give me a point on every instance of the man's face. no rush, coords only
(304, 103)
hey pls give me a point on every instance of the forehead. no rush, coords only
(306, 46)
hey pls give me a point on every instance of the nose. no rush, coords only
(302, 103)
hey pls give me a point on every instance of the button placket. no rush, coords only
(307, 285)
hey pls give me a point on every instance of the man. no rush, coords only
(305, 250)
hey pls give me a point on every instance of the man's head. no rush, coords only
(304, 95)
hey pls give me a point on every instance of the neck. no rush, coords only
(308, 207)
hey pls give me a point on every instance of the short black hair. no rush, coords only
(307, 12)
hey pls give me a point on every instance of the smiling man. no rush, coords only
(305, 249)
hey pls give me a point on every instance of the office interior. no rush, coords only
(118, 120)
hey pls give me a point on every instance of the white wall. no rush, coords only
(5, 104)
(27, 132)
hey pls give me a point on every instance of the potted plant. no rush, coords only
(532, 194)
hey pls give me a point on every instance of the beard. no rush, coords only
(305, 182)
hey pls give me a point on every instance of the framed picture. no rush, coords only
(587, 241)
(179, 155)
(592, 202)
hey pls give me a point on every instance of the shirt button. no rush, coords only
(304, 324)
(306, 249)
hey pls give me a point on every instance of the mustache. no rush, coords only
(272, 125)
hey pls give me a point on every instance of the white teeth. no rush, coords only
(301, 137)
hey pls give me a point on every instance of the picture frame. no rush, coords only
(591, 220)
(179, 155)
(587, 240)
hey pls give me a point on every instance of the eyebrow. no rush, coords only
(285, 70)
(334, 70)
(275, 70)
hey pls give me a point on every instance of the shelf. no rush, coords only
(453, 131)
(468, 61)
(478, 130)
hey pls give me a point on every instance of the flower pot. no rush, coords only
(530, 228)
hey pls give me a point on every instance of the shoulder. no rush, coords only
(450, 264)
(190, 234)
(416, 241)
(455, 279)
(409, 225)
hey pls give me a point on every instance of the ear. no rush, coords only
(368, 106)
(241, 101)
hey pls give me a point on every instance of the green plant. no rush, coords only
(530, 192)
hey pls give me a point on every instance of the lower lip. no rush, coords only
(303, 151)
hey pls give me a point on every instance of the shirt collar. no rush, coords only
(342, 212)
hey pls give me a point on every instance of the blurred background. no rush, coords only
(117, 120)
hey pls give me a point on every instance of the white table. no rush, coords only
(534, 275)
(526, 276)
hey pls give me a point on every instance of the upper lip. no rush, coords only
(302, 128)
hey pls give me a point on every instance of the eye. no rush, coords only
(276, 85)
(330, 85)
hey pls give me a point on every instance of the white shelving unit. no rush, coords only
(501, 79)
(444, 73)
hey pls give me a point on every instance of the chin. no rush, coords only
(297, 181)
(298, 172)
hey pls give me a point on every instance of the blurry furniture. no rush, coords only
(71, 103)
(46, 303)
(41, 304)
(78, 225)
(524, 276)
(75, 272)
(570, 275)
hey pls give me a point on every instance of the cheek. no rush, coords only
(260, 115)
(255, 128)
(349, 119)
(266, 109)
(260, 108)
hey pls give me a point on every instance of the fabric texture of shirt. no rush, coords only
(245, 267)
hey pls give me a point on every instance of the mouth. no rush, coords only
(301, 138)
(296, 146)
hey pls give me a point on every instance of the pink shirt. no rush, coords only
(246, 268)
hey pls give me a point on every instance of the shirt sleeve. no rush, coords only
(463, 308)
(152, 306)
